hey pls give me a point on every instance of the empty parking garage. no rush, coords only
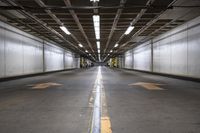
(99, 66)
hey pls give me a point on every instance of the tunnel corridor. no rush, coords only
(99, 66)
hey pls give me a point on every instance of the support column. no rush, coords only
(151, 55)
(43, 56)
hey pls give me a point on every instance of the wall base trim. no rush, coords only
(32, 75)
(166, 75)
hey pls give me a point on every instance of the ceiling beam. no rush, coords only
(76, 19)
(136, 19)
(151, 22)
(115, 22)
(56, 19)
(43, 24)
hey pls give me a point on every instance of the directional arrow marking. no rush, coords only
(44, 85)
(148, 86)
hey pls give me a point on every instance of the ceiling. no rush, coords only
(150, 18)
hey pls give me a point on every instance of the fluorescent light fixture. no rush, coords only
(80, 45)
(98, 45)
(111, 51)
(116, 45)
(96, 21)
(94, 0)
(86, 51)
(98, 51)
(63, 28)
(129, 29)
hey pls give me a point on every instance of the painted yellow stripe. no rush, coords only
(105, 125)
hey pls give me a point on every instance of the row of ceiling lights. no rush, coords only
(96, 21)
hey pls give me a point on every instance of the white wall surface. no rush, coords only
(54, 58)
(128, 63)
(22, 53)
(142, 58)
(69, 60)
(175, 52)
(19, 53)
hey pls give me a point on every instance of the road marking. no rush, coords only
(148, 86)
(100, 120)
(105, 119)
(105, 125)
(95, 126)
(44, 85)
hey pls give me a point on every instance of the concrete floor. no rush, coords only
(64, 107)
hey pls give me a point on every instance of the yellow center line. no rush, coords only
(105, 119)
(105, 125)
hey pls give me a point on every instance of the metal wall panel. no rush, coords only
(13, 54)
(22, 53)
(33, 59)
(175, 52)
(2, 53)
(179, 54)
(162, 56)
(194, 49)
(53, 57)
(156, 57)
(128, 59)
(142, 58)
(69, 61)
(77, 62)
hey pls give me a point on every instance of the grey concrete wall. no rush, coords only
(175, 52)
(22, 54)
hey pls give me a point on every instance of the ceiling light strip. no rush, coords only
(96, 21)
(129, 29)
(63, 28)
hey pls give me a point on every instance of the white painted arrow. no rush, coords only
(148, 86)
